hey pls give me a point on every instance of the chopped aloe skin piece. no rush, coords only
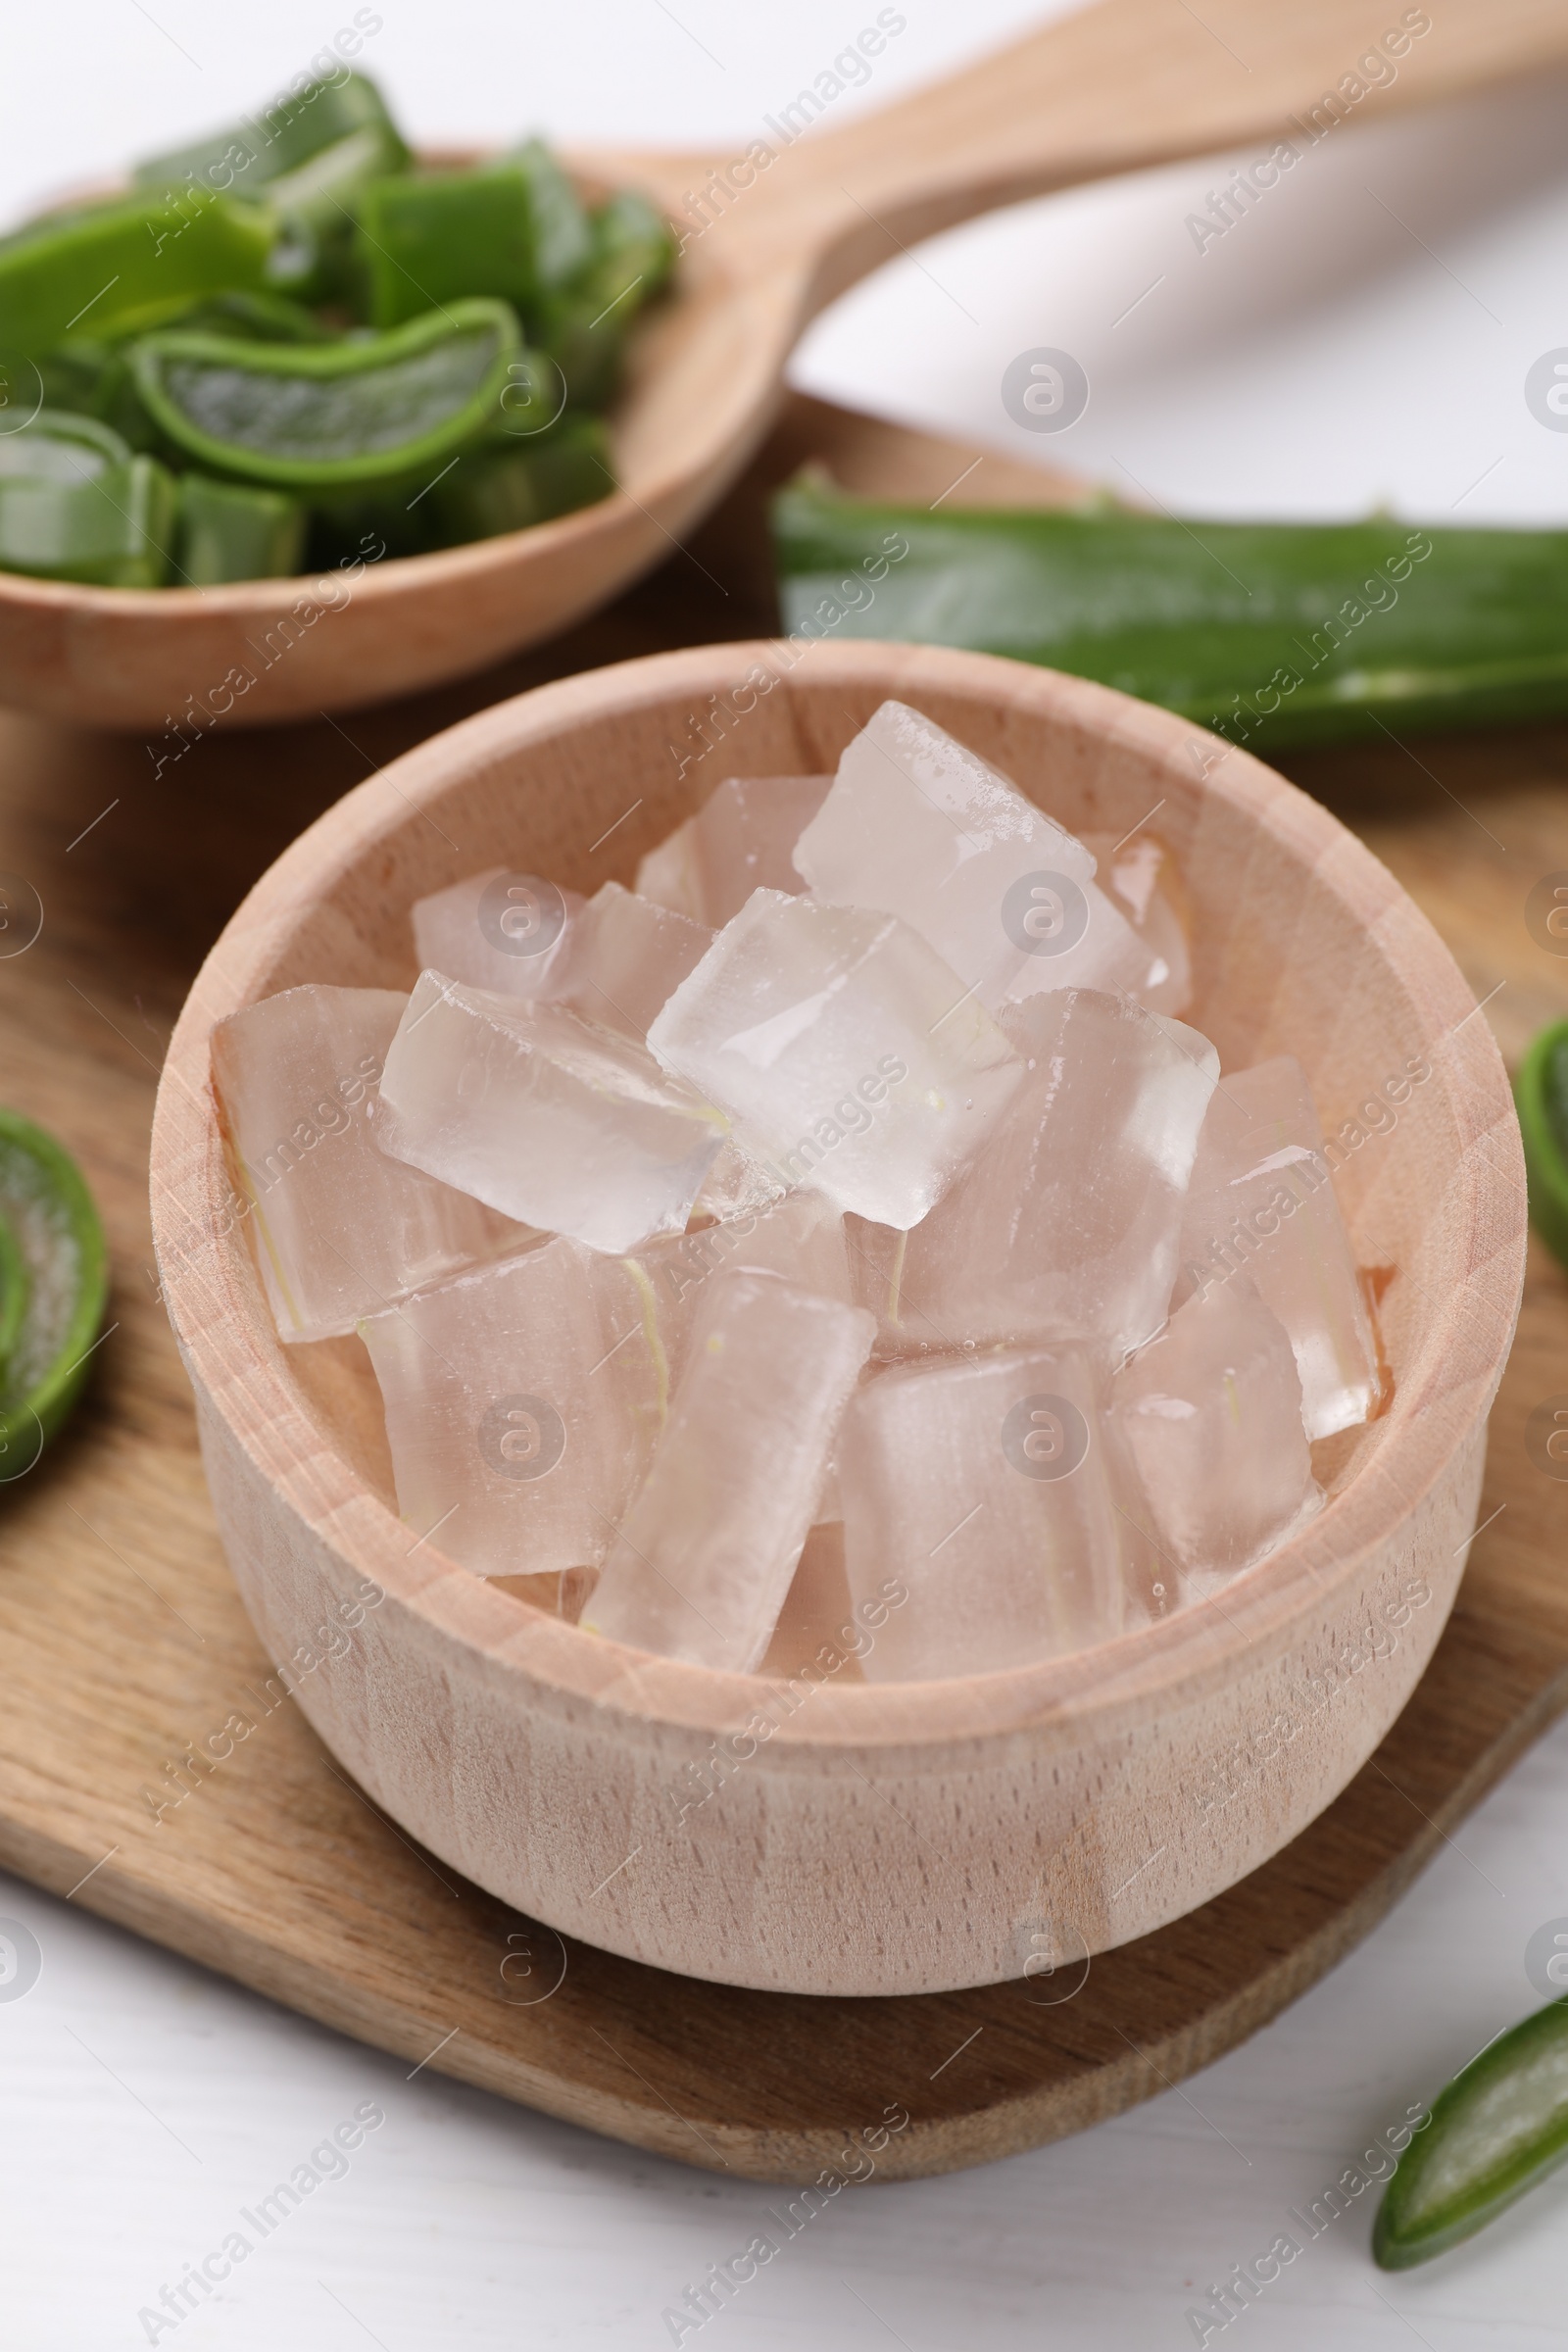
(322, 188)
(318, 205)
(257, 318)
(93, 379)
(71, 377)
(113, 395)
(1540, 1093)
(228, 531)
(1497, 2129)
(1341, 628)
(583, 327)
(368, 525)
(513, 227)
(533, 400)
(53, 1227)
(58, 447)
(493, 490)
(588, 346)
(118, 402)
(44, 224)
(126, 267)
(308, 158)
(563, 232)
(634, 248)
(437, 236)
(13, 1291)
(254, 155)
(116, 530)
(332, 415)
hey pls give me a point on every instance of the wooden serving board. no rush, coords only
(125, 1641)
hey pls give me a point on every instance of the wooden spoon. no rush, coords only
(1121, 86)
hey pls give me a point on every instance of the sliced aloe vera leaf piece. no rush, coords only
(114, 531)
(1540, 1092)
(1498, 2127)
(54, 1225)
(326, 417)
(14, 1288)
(58, 447)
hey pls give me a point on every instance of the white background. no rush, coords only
(1362, 338)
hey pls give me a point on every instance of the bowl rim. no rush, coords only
(218, 1313)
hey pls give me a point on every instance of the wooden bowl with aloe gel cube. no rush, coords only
(890, 1800)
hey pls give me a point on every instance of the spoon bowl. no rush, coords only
(770, 234)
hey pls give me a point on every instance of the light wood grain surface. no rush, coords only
(125, 1639)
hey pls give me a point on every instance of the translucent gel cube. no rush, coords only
(518, 1102)
(738, 1185)
(667, 875)
(921, 827)
(651, 1297)
(627, 958)
(1150, 1578)
(742, 839)
(846, 1052)
(710, 1546)
(978, 1485)
(501, 930)
(340, 1229)
(1069, 1222)
(1139, 873)
(878, 1257)
(517, 1431)
(816, 1637)
(1211, 1411)
(1261, 1198)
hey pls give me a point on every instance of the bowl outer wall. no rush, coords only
(893, 1838)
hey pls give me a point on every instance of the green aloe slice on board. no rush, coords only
(1540, 1093)
(14, 1287)
(1496, 2130)
(54, 1232)
(332, 415)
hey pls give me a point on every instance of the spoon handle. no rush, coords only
(1116, 87)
